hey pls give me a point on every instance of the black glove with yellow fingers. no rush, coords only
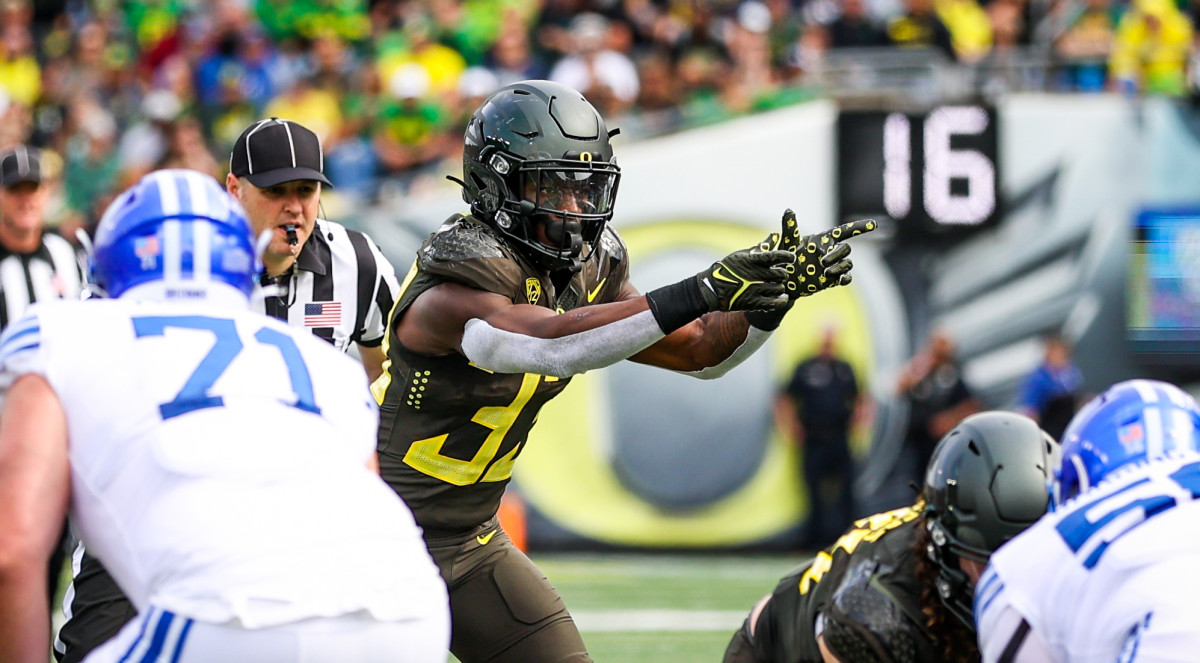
(822, 261)
(747, 280)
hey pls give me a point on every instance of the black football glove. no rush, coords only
(747, 280)
(822, 259)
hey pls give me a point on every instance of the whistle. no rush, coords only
(291, 234)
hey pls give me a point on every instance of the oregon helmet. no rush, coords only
(538, 166)
(985, 484)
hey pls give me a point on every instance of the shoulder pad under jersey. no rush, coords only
(866, 622)
(612, 244)
(466, 251)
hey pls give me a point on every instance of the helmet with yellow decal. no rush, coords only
(538, 167)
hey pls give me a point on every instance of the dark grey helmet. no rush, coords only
(987, 481)
(538, 166)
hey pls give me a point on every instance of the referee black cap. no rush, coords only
(274, 151)
(20, 164)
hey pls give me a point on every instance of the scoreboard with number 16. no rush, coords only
(934, 173)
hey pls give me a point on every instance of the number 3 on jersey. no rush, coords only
(425, 455)
(226, 346)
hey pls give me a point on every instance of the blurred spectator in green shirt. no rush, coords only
(291, 19)
(411, 128)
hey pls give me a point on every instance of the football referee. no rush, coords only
(331, 280)
(34, 265)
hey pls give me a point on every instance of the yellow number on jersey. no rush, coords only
(425, 455)
(867, 529)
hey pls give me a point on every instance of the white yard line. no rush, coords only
(599, 621)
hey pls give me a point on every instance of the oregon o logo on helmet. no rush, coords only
(585, 156)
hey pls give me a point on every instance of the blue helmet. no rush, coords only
(178, 227)
(1132, 421)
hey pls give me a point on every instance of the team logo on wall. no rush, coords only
(533, 290)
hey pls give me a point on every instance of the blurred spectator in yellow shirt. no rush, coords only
(919, 26)
(317, 108)
(970, 28)
(416, 45)
(1151, 47)
(20, 75)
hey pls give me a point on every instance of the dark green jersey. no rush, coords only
(450, 431)
(865, 589)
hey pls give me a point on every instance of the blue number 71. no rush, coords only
(195, 393)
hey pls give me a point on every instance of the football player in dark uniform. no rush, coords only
(897, 587)
(504, 304)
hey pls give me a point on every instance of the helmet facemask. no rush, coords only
(954, 586)
(555, 208)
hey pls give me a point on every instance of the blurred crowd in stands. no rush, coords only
(115, 88)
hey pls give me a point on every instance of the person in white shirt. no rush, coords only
(217, 461)
(1109, 574)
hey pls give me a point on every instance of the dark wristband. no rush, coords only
(677, 304)
(767, 320)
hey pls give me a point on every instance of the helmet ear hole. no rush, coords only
(485, 189)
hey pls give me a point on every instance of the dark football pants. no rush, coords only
(502, 608)
(97, 610)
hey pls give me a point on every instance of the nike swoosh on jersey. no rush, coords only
(592, 295)
(483, 539)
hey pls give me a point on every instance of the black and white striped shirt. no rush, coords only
(341, 287)
(51, 271)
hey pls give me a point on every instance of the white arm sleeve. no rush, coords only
(509, 352)
(754, 340)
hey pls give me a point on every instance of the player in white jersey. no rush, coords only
(1111, 573)
(218, 462)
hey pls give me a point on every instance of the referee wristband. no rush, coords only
(677, 304)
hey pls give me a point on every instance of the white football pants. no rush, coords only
(157, 636)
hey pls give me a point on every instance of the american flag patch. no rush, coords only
(147, 249)
(145, 246)
(323, 314)
(1131, 433)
